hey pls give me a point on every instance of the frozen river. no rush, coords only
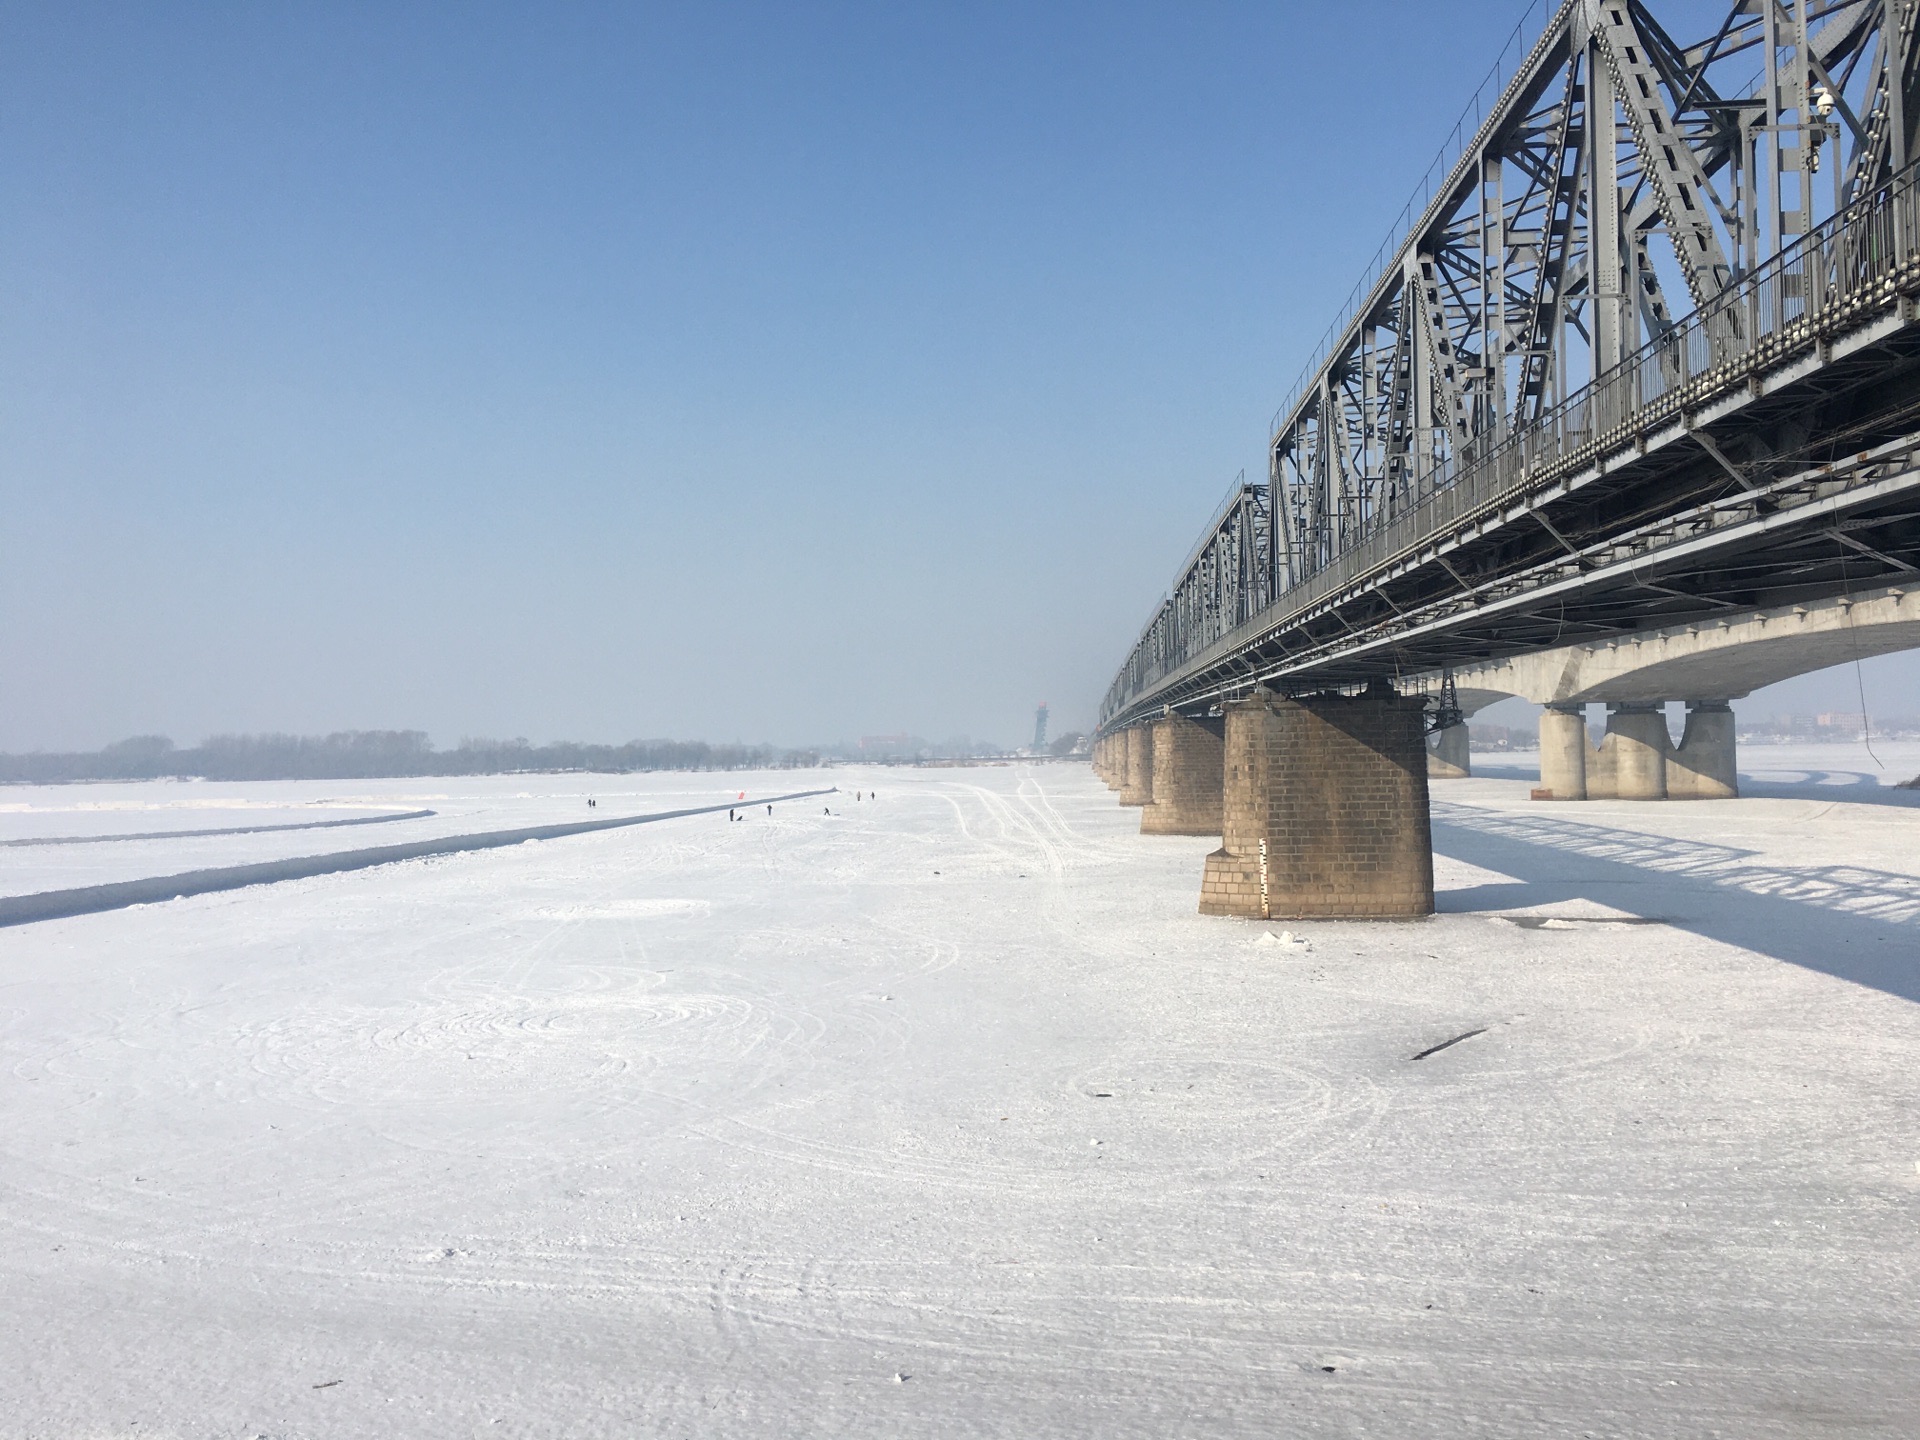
(944, 1114)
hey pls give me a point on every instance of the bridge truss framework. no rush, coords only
(1513, 443)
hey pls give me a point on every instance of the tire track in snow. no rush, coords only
(1024, 838)
(1037, 797)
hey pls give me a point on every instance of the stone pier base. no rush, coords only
(1137, 787)
(1448, 754)
(1189, 770)
(1325, 810)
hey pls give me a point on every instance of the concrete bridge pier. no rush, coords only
(1325, 810)
(1137, 787)
(1563, 752)
(1189, 768)
(1103, 760)
(1631, 763)
(1705, 766)
(1637, 759)
(1450, 757)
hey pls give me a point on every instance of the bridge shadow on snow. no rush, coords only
(1855, 787)
(1842, 920)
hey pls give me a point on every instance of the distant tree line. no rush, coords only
(1502, 737)
(379, 754)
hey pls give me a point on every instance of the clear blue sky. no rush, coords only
(783, 373)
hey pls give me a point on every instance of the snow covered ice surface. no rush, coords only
(945, 1114)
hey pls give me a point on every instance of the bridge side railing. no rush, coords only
(1826, 283)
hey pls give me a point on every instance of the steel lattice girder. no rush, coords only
(1617, 166)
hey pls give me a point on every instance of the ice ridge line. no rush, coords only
(236, 830)
(92, 899)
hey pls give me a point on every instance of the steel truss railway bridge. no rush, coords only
(1644, 370)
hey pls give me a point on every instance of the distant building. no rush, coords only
(1040, 728)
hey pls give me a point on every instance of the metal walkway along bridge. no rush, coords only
(1628, 411)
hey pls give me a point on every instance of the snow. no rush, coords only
(767, 1128)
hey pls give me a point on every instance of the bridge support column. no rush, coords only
(1325, 812)
(1705, 767)
(1631, 763)
(1103, 759)
(1137, 788)
(1189, 770)
(1450, 756)
(1563, 752)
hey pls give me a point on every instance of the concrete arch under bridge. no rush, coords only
(1705, 664)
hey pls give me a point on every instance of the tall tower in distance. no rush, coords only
(1040, 728)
